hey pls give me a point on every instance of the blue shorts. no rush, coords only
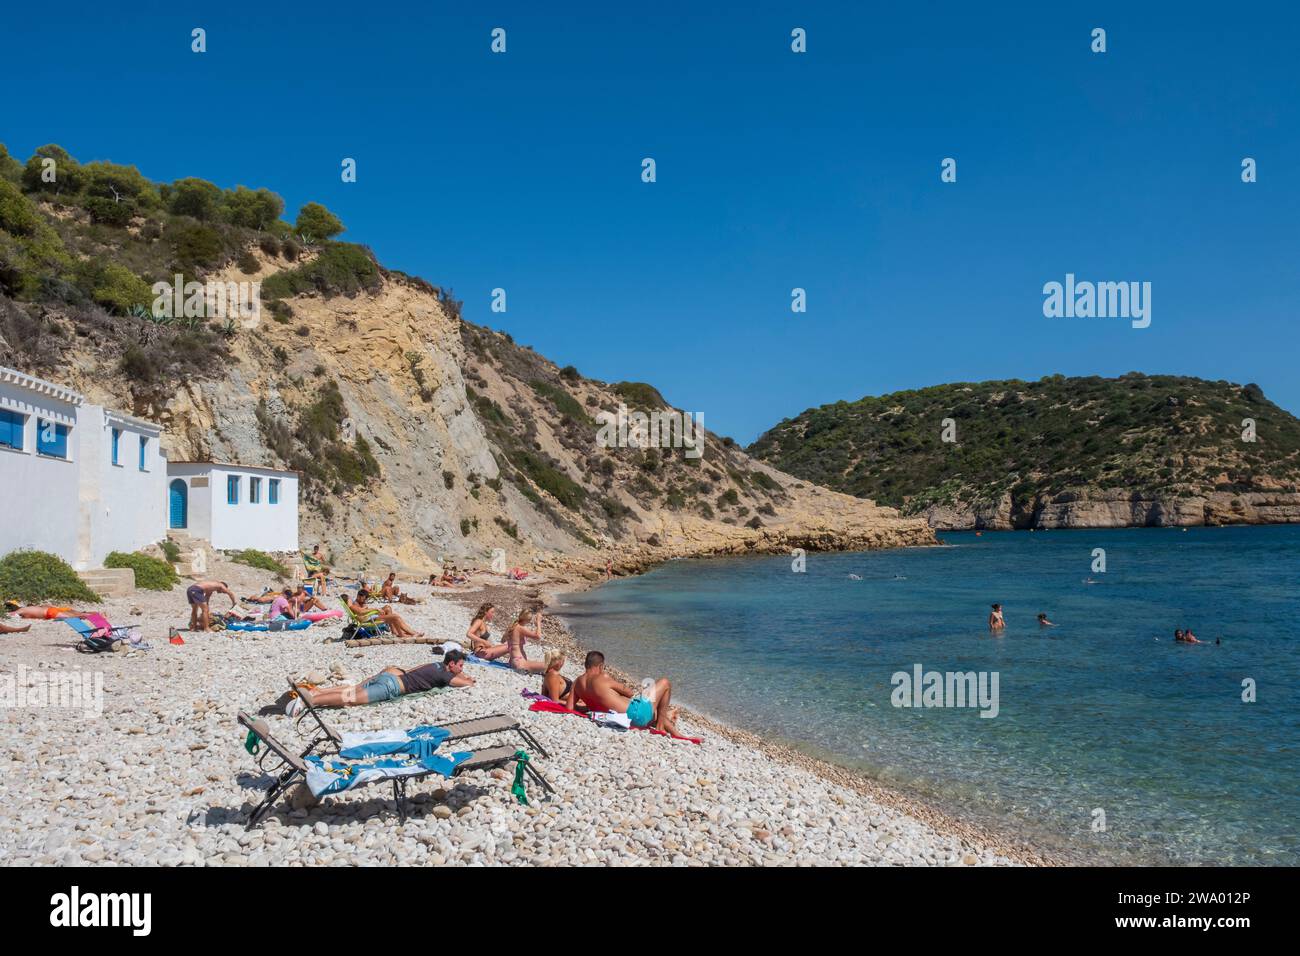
(640, 712)
(382, 687)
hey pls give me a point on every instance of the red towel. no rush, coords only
(551, 707)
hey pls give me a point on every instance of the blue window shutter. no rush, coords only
(11, 429)
(275, 491)
(232, 489)
(51, 439)
(117, 435)
(144, 443)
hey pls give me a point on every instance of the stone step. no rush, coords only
(109, 582)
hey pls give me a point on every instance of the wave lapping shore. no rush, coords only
(162, 777)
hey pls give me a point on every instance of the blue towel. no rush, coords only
(478, 660)
(418, 742)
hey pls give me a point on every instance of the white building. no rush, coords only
(234, 506)
(76, 479)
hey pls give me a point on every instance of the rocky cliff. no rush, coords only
(421, 437)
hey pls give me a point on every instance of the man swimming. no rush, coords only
(1044, 622)
(596, 690)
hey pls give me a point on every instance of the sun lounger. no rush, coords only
(458, 729)
(297, 768)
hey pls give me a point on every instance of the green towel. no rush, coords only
(517, 788)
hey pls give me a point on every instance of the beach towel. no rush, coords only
(267, 625)
(547, 706)
(417, 742)
(472, 659)
(334, 776)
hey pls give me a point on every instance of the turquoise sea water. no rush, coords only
(1103, 711)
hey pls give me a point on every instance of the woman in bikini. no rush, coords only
(554, 684)
(518, 636)
(480, 636)
(996, 623)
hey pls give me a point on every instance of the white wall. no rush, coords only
(126, 506)
(263, 526)
(40, 495)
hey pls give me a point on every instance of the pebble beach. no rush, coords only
(162, 776)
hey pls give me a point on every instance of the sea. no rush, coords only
(1100, 739)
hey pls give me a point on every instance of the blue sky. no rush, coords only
(775, 171)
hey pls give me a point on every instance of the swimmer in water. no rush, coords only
(854, 577)
(995, 618)
(1044, 622)
(1186, 637)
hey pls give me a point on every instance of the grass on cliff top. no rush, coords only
(33, 577)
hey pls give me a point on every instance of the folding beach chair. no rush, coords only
(459, 729)
(359, 627)
(97, 635)
(293, 768)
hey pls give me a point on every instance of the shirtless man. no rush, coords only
(995, 618)
(598, 691)
(199, 595)
(390, 591)
(305, 602)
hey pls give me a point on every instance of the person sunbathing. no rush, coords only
(304, 602)
(386, 615)
(597, 691)
(283, 606)
(389, 684)
(554, 684)
(480, 637)
(13, 628)
(37, 612)
(389, 591)
(518, 636)
(266, 597)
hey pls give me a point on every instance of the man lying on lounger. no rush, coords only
(598, 691)
(389, 684)
(40, 612)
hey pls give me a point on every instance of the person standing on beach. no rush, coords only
(597, 691)
(995, 618)
(199, 595)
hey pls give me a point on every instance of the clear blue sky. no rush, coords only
(775, 170)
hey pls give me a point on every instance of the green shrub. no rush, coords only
(152, 574)
(35, 576)
(316, 223)
(639, 395)
(564, 403)
(507, 526)
(247, 262)
(340, 269)
(171, 549)
(258, 559)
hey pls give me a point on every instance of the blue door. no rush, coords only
(179, 504)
